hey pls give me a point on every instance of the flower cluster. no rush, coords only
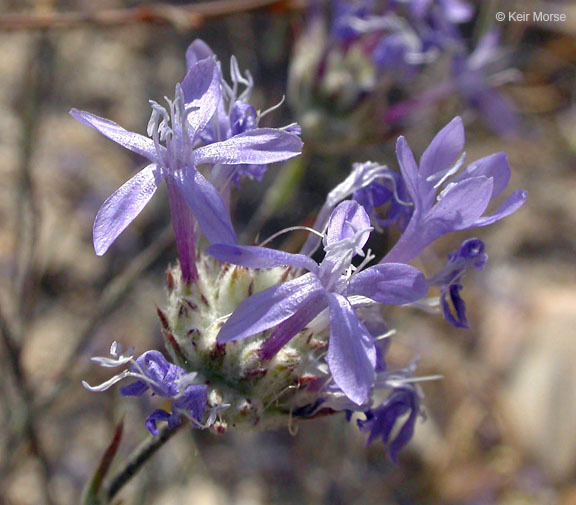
(258, 337)
(370, 55)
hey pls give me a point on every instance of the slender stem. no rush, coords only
(137, 460)
(185, 17)
(13, 330)
(29, 427)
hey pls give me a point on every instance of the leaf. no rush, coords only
(91, 495)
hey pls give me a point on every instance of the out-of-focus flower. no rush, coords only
(380, 422)
(478, 84)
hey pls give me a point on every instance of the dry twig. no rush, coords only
(184, 17)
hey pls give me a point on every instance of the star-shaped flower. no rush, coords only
(174, 155)
(445, 200)
(334, 284)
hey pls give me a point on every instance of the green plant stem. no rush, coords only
(136, 461)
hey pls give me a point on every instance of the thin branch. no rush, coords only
(29, 427)
(13, 331)
(185, 17)
(137, 460)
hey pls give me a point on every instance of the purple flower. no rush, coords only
(477, 84)
(380, 422)
(234, 116)
(335, 285)
(173, 154)
(441, 206)
(388, 189)
(154, 373)
(470, 254)
(168, 381)
(390, 54)
(363, 175)
(455, 11)
(345, 16)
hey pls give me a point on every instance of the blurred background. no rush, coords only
(501, 424)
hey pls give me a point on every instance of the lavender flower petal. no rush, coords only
(457, 11)
(495, 108)
(469, 254)
(259, 146)
(460, 206)
(137, 388)
(294, 324)
(207, 205)
(495, 166)
(135, 142)
(198, 50)
(346, 220)
(193, 401)
(444, 149)
(508, 206)
(122, 207)
(409, 170)
(458, 318)
(390, 284)
(269, 308)
(351, 353)
(201, 87)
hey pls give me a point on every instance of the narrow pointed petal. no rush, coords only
(259, 257)
(409, 169)
(444, 149)
(390, 284)
(461, 205)
(351, 353)
(259, 146)
(269, 308)
(135, 142)
(508, 206)
(122, 207)
(207, 205)
(201, 87)
(460, 208)
(495, 166)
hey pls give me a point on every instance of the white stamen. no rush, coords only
(286, 230)
(361, 176)
(451, 171)
(449, 187)
(271, 109)
(384, 336)
(106, 385)
(111, 362)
